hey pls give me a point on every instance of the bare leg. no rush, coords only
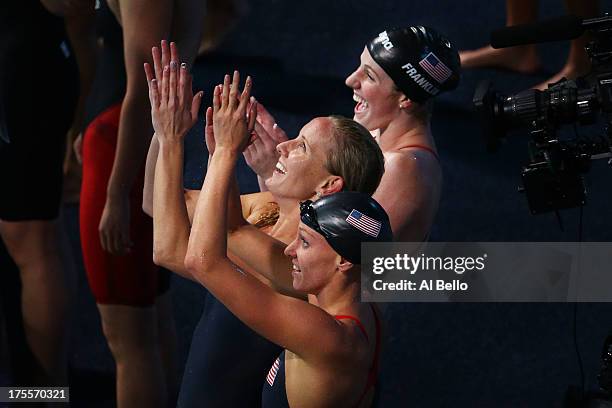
(168, 345)
(577, 63)
(37, 248)
(522, 58)
(132, 336)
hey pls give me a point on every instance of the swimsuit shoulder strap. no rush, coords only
(427, 148)
(357, 321)
(373, 373)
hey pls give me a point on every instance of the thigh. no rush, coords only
(28, 241)
(132, 279)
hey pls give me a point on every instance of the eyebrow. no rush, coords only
(369, 68)
(303, 231)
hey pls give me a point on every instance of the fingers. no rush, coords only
(252, 112)
(279, 134)
(104, 241)
(174, 54)
(225, 92)
(150, 77)
(165, 85)
(209, 136)
(217, 98)
(149, 72)
(173, 81)
(154, 94)
(115, 242)
(181, 90)
(264, 117)
(209, 116)
(263, 133)
(158, 66)
(233, 96)
(248, 157)
(195, 105)
(165, 54)
(244, 101)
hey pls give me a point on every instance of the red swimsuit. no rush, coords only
(131, 279)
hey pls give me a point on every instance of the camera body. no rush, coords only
(553, 178)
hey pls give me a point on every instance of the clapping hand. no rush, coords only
(174, 108)
(261, 155)
(232, 129)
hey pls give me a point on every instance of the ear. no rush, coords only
(345, 265)
(332, 185)
(404, 102)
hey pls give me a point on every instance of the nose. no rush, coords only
(290, 250)
(352, 80)
(285, 147)
(282, 148)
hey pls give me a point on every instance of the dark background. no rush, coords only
(437, 355)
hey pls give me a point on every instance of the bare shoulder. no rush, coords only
(410, 160)
(260, 198)
(400, 163)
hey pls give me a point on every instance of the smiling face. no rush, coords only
(301, 166)
(314, 260)
(373, 90)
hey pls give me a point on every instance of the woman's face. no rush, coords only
(373, 90)
(301, 165)
(314, 260)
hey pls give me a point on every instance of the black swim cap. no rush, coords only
(346, 219)
(420, 61)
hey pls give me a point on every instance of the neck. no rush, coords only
(286, 226)
(340, 295)
(404, 131)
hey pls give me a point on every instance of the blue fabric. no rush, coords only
(227, 364)
(275, 395)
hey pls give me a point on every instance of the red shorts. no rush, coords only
(131, 279)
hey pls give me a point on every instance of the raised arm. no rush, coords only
(174, 110)
(291, 323)
(268, 260)
(186, 33)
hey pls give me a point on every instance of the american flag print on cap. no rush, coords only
(436, 68)
(363, 223)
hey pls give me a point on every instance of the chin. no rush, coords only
(363, 121)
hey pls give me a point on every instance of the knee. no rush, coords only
(129, 342)
(31, 241)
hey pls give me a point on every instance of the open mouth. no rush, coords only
(362, 104)
(280, 168)
(295, 269)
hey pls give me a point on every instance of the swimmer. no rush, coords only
(336, 153)
(400, 73)
(332, 349)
